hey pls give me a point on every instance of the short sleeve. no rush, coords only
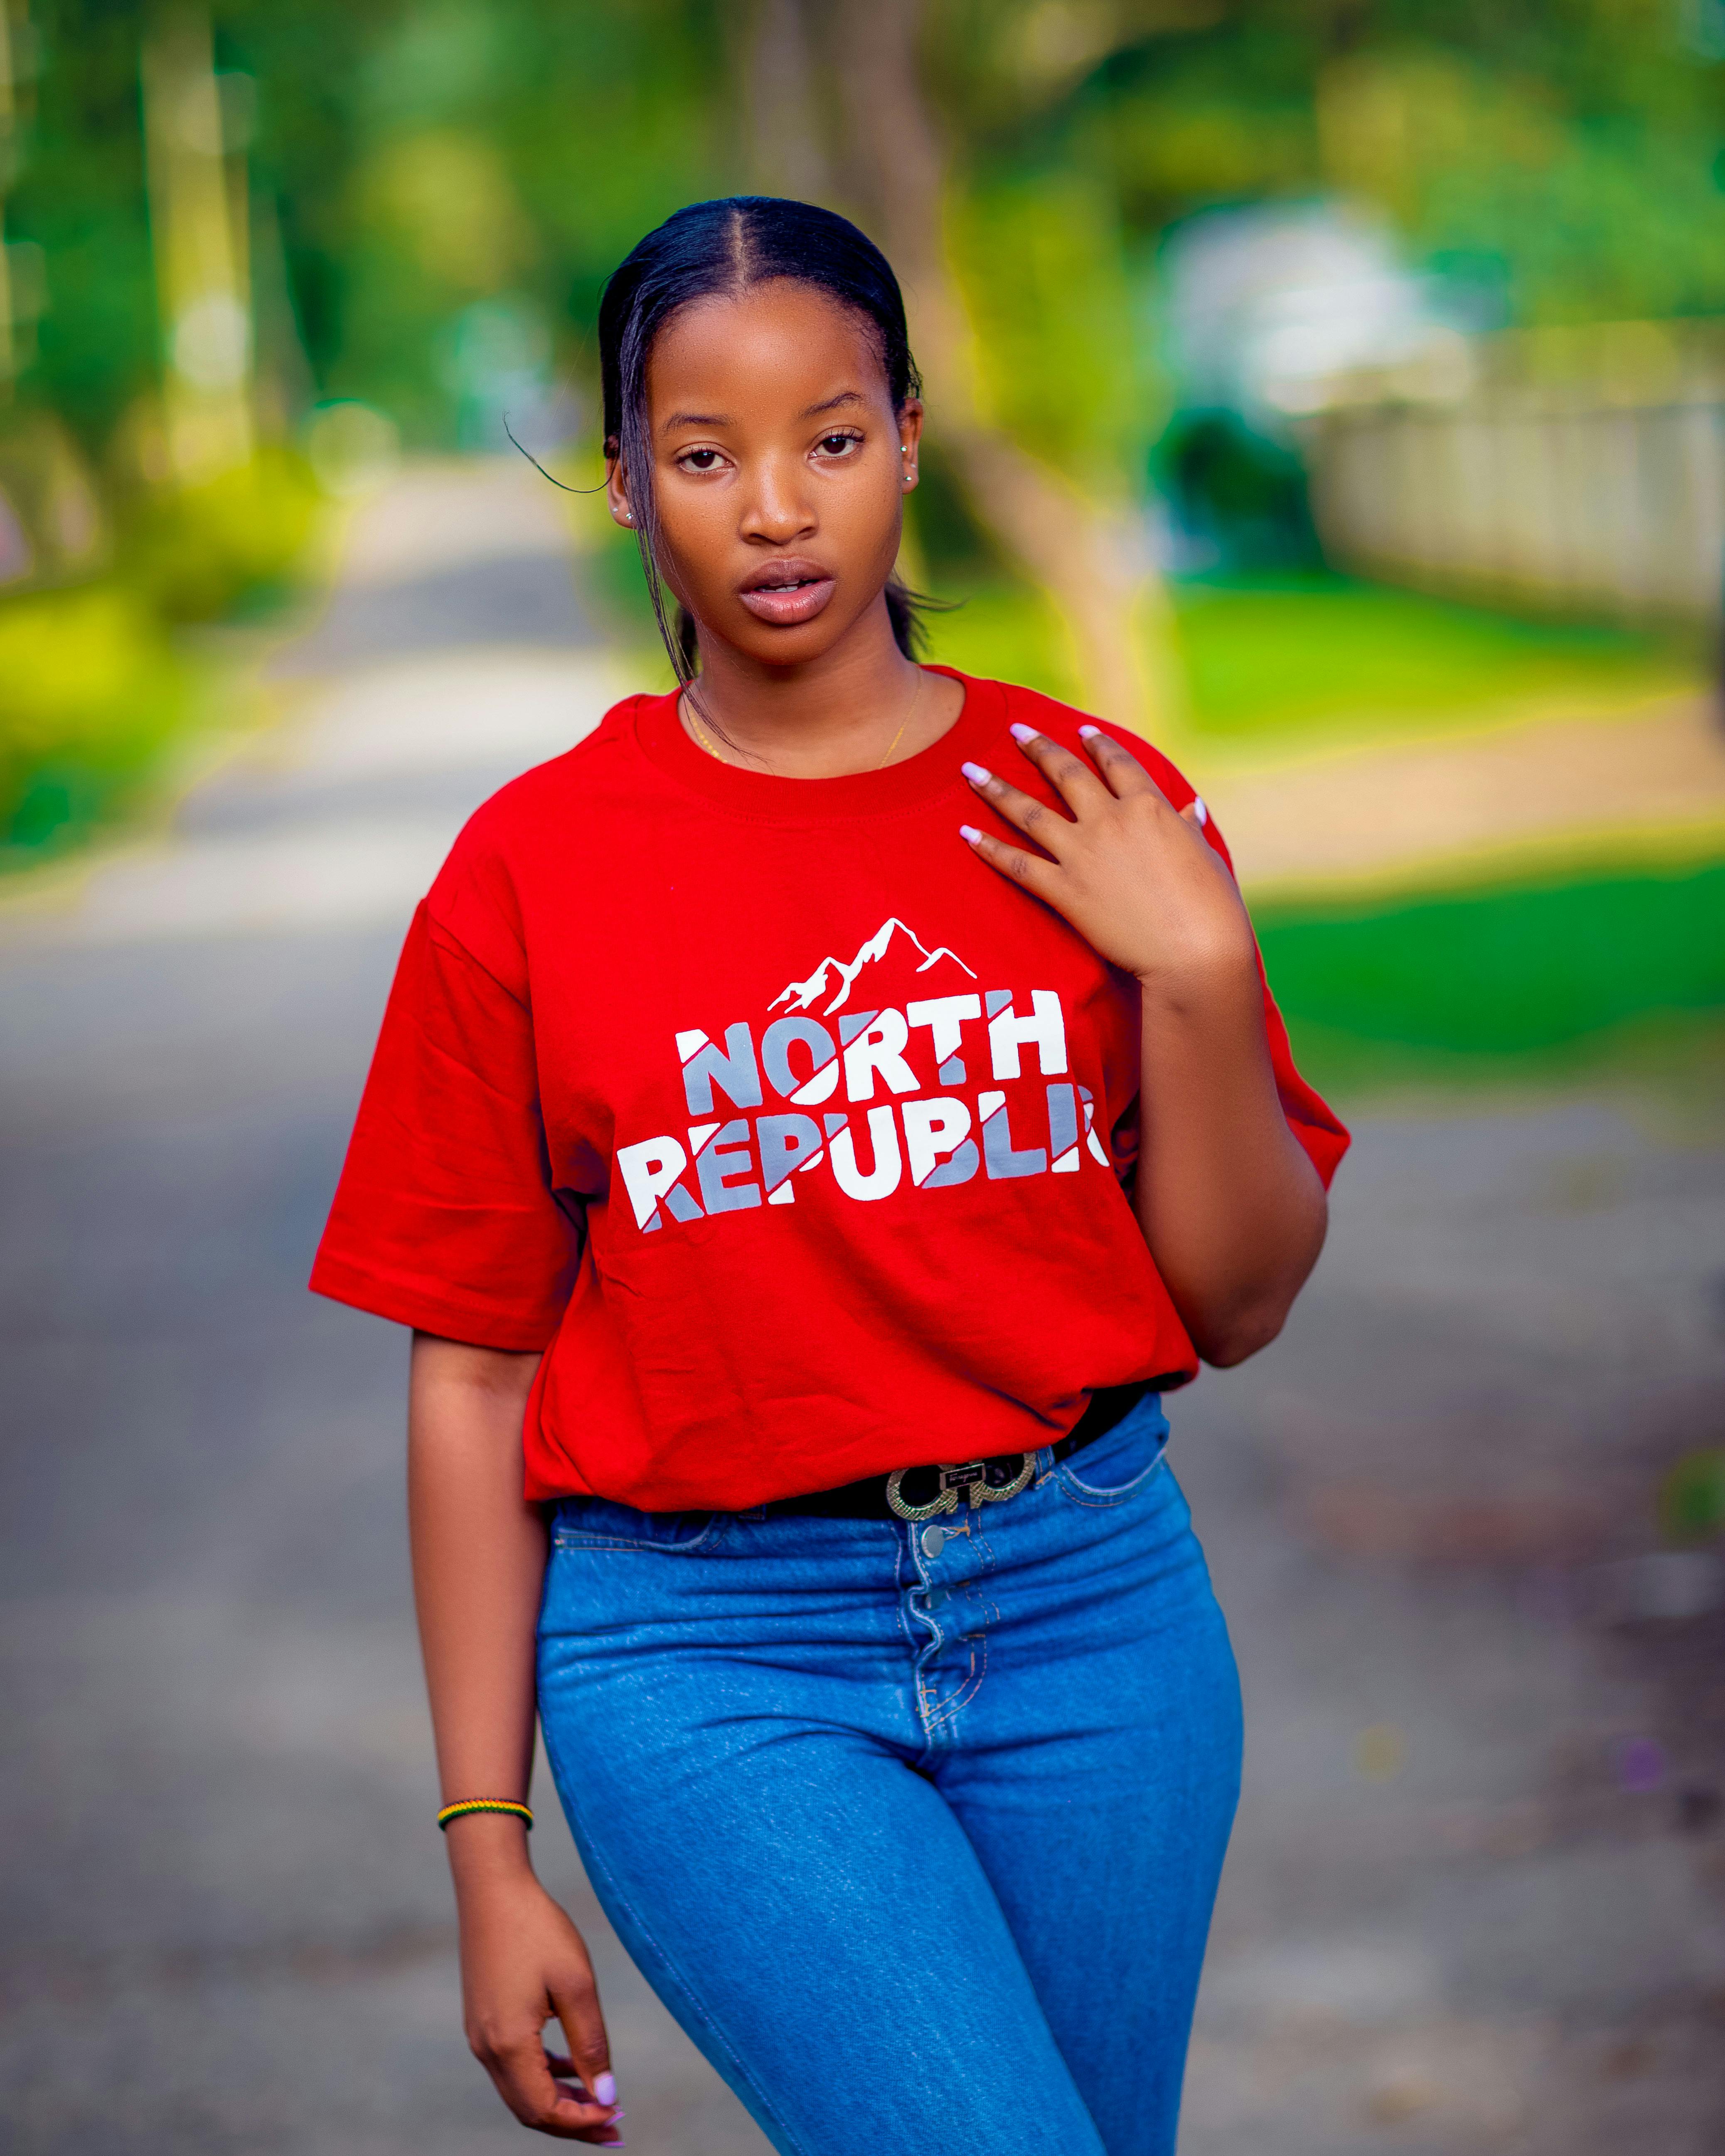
(1310, 1116)
(445, 1218)
(1314, 1123)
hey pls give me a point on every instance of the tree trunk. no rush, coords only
(1112, 604)
(787, 154)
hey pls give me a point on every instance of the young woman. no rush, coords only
(814, 1120)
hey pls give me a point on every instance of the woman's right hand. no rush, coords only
(523, 1964)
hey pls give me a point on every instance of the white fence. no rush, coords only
(1582, 468)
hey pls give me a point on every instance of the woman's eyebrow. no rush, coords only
(694, 419)
(676, 420)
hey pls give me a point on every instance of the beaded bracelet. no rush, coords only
(484, 1804)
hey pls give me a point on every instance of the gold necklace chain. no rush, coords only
(713, 749)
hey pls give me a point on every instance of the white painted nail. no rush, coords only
(969, 834)
(1021, 734)
(1088, 733)
(976, 774)
(1203, 814)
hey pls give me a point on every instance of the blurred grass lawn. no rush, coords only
(1519, 980)
(1270, 661)
(1310, 661)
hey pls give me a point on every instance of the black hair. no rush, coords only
(724, 248)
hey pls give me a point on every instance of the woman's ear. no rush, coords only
(910, 439)
(617, 486)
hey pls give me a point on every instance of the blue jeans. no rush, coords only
(917, 1835)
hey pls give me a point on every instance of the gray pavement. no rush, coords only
(1476, 1900)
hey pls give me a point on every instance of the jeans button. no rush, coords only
(934, 1541)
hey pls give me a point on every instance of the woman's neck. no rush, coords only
(858, 706)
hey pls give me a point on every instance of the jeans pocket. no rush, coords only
(598, 1523)
(1119, 1463)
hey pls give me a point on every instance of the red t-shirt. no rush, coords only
(793, 1131)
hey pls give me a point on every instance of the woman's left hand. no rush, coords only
(1134, 875)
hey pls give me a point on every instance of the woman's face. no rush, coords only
(779, 468)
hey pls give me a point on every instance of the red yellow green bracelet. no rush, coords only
(484, 1804)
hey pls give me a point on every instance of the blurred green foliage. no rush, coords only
(90, 689)
(416, 160)
(1065, 363)
(79, 194)
(1586, 180)
(91, 686)
(999, 630)
(464, 150)
(226, 546)
(1562, 158)
(1691, 1496)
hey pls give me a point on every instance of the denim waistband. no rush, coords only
(871, 1497)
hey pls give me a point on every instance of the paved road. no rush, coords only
(1477, 1898)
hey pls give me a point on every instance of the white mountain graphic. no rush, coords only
(800, 995)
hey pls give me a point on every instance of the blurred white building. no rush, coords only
(1268, 309)
(1578, 466)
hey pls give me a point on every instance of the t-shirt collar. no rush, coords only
(763, 798)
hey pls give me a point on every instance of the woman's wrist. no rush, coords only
(487, 1849)
(1223, 969)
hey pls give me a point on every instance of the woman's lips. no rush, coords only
(784, 602)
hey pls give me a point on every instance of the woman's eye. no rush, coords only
(838, 445)
(699, 460)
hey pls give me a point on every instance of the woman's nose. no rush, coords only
(778, 511)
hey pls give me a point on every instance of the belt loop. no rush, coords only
(1045, 1463)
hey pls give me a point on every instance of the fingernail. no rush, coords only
(604, 2089)
(1088, 733)
(1021, 734)
(969, 834)
(1203, 814)
(976, 774)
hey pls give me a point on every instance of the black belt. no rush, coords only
(919, 1493)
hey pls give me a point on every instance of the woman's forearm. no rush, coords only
(1230, 1205)
(478, 1566)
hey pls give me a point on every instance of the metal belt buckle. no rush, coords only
(971, 1477)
